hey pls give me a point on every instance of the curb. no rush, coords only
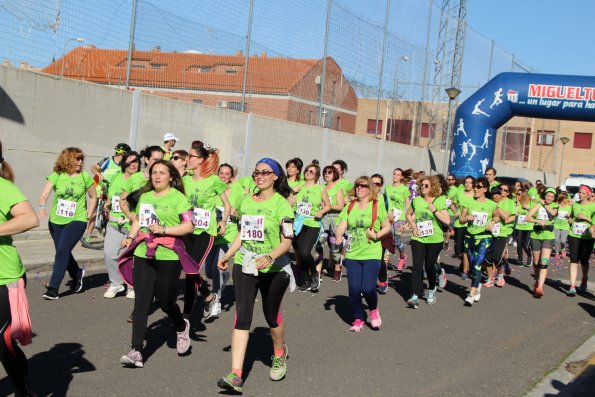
(36, 267)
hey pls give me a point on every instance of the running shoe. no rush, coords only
(507, 270)
(130, 294)
(216, 310)
(469, 300)
(529, 262)
(183, 342)
(134, 359)
(431, 299)
(571, 291)
(357, 326)
(208, 310)
(279, 366)
(375, 319)
(489, 283)
(538, 292)
(51, 294)
(315, 283)
(413, 302)
(401, 263)
(305, 287)
(464, 276)
(382, 287)
(583, 287)
(337, 276)
(231, 382)
(477, 296)
(500, 280)
(78, 284)
(113, 290)
(563, 254)
(442, 278)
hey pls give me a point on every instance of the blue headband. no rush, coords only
(271, 163)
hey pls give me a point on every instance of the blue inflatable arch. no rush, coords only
(514, 94)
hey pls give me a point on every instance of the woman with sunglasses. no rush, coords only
(295, 178)
(158, 256)
(179, 159)
(260, 264)
(562, 224)
(523, 227)
(69, 215)
(461, 200)
(580, 238)
(399, 199)
(118, 225)
(331, 219)
(542, 237)
(203, 188)
(365, 220)
(310, 203)
(480, 215)
(427, 217)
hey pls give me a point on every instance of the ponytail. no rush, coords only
(6, 171)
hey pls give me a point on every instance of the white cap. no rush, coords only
(169, 136)
(562, 188)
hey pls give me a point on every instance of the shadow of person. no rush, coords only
(403, 285)
(260, 348)
(588, 308)
(52, 371)
(8, 109)
(342, 307)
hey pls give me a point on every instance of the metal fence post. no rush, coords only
(130, 44)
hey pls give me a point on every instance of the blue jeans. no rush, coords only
(361, 280)
(65, 238)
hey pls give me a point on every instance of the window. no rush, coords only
(399, 131)
(197, 101)
(158, 65)
(230, 71)
(426, 130)
(582, 140)
(372, 126)
(545, 138)
(236, 106)
(334, 92)
(338, 127)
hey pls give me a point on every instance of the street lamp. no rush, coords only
(452, 93)
(77, 39)
(564, 141)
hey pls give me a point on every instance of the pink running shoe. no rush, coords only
(500, 281)
(489, 283)
(357, 326)
(401, 263)
(375, 319)
(183, 343)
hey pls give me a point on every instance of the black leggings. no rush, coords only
(522, 244)
(159, 278)
(302, 246)
(496, 250)
(424, 256)
(12, 357)
(272, 287)
(580, 250)
(460, 240)
(198, 246)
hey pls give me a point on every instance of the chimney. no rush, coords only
(7, 62)
(239, 53)
(157, 48)
(263, 54)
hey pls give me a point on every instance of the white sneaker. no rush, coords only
(469, 300)
(113, 290)
(216, 310)
(477, 297)
(130, 294)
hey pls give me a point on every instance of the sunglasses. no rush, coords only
(478, 187)
(177, 158)
(377, 184)
(80, 158)
(264, 173)
(450, 180)
(426, 185)
(328, 172)
(128, 164)
(362, 185)
(505, 190)
(310, 172)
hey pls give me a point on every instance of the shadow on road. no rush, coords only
(260, 348)
(342, 307)
(588, 308)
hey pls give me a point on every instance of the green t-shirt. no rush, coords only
(345, 186)
(116, 185)
(260, 226)
(332, 196)
(453, 192)
(293, 184)
(506, 205)
(70, 197)
(397, 196)
(429, 228)
(235, 196)
(202, 195)
(482, 212)
(308, 202)
(542, 214)
(165, 210)
(247, 183)
(135, 182)
(11, 267)
(580, 228)
(521, 223)
(358, 222)
(462, 200)
(561, 221)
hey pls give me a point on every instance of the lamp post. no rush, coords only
(77, 39)
(452, 93)
(564, 141)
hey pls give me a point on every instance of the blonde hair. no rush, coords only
(434, 184)
(66, 162)
(368, 181)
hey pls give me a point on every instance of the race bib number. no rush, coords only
(542, 215)
(66, 208)
(201, 218)
(521, 219)
(448, 203)
(480, 218)
(425, 228)
(252, 228)
(116, 204)
(147, 215)
(496, 229)
(562, 214)
(304, 208)
(579, 228)
(397, 214)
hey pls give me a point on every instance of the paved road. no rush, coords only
(503, 345)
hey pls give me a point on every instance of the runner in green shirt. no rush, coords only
(399, 199)
(580, 238)
(562, 224)
(259, 253)
(523, 227)
(68, 216)
(343, 183)
(16, 216)
(506, 212)
(295, 179)
(461, 199)
(542, 236)
(331, 220)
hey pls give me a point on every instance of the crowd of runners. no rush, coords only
(171, 211)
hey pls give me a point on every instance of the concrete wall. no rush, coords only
(40, 115)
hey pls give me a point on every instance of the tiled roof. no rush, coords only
(183, 70)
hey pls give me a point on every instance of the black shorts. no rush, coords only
(496, 250)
